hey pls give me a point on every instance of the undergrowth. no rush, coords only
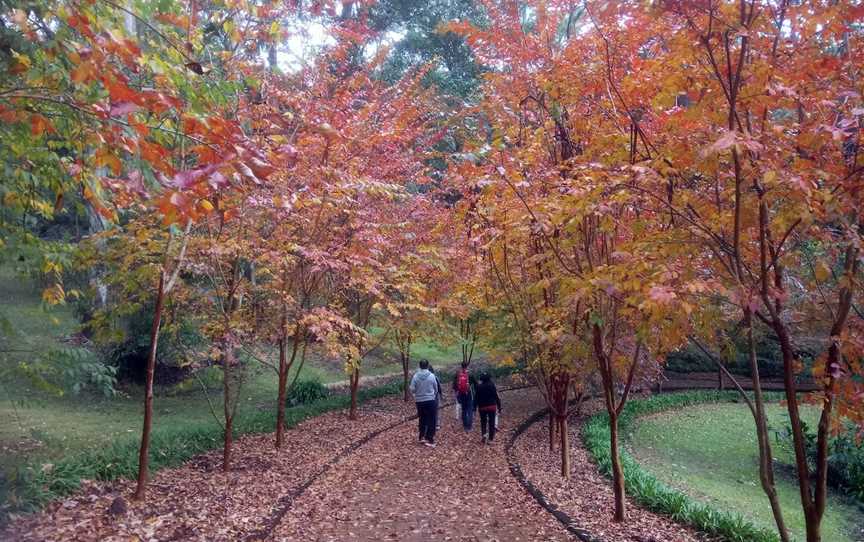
(651, 493)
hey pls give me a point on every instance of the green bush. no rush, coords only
(691, 360)
(68, 370)
(127, 346)
(655, 495)
(306, 391)
(845, 458)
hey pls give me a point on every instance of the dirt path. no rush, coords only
(392, 488)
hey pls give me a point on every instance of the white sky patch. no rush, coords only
(308, 38)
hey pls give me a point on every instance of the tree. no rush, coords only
(140, 123)
(548, 190)
(755, 168)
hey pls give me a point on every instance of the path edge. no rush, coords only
(516, 470)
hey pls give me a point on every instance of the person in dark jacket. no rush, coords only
(488, 403)
(425, 387)
(437, 401)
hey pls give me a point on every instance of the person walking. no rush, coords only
(489, 405)
(424, 386)
(462, 385)
(437, 401)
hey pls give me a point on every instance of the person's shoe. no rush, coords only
(483, 439)
(429, 444)
(421, 441)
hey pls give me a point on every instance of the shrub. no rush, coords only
(70, 370)
(691, 360)
(653, 494)
(845, 459)
(130, 346)
(306, 391)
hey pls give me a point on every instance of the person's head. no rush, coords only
(424, 364)
(484, 377)
(465, 365)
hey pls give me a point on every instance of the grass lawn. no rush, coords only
(709, 451)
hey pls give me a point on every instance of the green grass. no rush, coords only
(30, 326)
(709, 451)
(702, 444)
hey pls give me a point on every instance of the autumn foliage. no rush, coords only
(630, 177)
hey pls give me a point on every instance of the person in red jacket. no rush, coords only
(489, 404)
(462, 385)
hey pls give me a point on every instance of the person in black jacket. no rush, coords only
(486, 401)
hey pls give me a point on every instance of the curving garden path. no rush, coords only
(395, 489)
(341, 480)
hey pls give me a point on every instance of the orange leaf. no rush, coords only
(39, 125)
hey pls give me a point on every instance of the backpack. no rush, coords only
(462, 386)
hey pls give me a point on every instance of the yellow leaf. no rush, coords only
(821, 272)
(23, 60)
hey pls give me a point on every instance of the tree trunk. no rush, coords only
(812, 519)
(553, 425)
(355, 384)
(766, 458)
(280, 401)
(405, 379)
(617, 471)
(227, 359)
(564, 434)
(144, 450)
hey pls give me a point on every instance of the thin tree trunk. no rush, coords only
(227, 359)
(835, 357)
(285, 365)
(564, 435)
(405, 375)
(355, 384)
(766, 458)
(617, 471)
(144, 450)
(553, 425)
(812, 520)
(280, 401)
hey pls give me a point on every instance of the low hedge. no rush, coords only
(33, 486)
(654, 495)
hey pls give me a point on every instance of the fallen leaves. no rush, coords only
(587, 497)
